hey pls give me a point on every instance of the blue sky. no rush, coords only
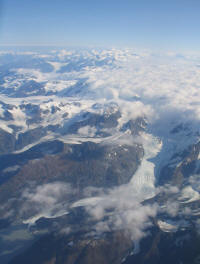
(172, 24)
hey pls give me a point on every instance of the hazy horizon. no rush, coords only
(158, 25)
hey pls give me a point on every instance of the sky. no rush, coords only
(157, 24)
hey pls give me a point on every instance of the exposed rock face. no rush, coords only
(75, 128)
(189, 165)
(135, 126)
(160, 247)
(95, 120)
(82, 165)
(7, 142)
(78, 250)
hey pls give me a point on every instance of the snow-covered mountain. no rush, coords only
(98, 147)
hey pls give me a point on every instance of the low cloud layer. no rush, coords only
(165, 89)
(48, 200)
(120, 209)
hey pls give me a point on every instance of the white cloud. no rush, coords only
(160, 83)
(87, 131)
(121, 209)
(47, 200)
(172, 208)
(165, 90)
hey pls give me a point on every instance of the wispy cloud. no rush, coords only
(47, 200)
(120, 209)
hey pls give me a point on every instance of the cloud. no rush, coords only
(188, 195)
(48, 200)
(172, 208)
(87, 131)
(149, 86)
(163, 89)
(168, 189)
(120, 209)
